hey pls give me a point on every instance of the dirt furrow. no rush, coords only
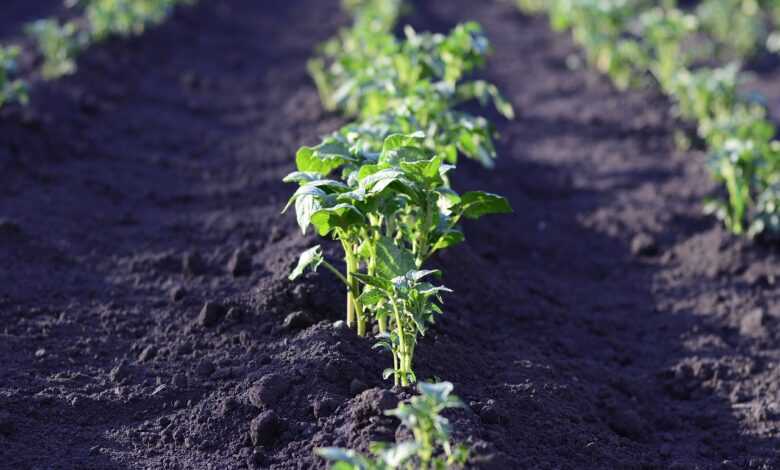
(606, 324)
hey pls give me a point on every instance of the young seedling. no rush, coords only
(431, 448)
(410, 304)
(391, 206)
(11, 89)
(59, 43)
(126, 17)
(405, 86)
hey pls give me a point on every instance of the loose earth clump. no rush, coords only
(147, 320)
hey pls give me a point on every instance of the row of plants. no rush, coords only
(639, 41)
(380, 187)
(60, 42)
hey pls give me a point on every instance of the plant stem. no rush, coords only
(354, 309)
(401, 345)
(335, 271)
(395, 368)
(381, 321)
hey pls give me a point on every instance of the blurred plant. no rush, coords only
(11, 89)
(431, 448)
(59, 43)
(631, 39)
(404, 86)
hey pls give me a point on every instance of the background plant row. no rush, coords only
(60, 42)
(694, 56)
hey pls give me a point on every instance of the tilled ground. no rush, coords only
(607, 324)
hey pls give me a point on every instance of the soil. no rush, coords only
(146, 320)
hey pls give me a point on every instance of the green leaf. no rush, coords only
(377, 182)
(375, 281)
(309, 259)
(440, 391)
(447, 239)
(371, 296)
(303, 191)
(323, 158)
(336, 454)
(305, 206)
(392, 260)
(399, 454)
(475, 204)
(396, 141)
(416, 275)
(425, 169)
(342, 216)
(301, 177)
(403, 147)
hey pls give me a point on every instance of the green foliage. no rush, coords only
(632, 39)
(390, 208)
(380, 186)
(11, 89)
(59, 43)
(409, 85)
(126, 17)
(431, 448)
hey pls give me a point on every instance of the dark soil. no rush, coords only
(608, 324)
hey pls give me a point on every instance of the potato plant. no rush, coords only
(11, 89)
(380, 186)
(126, 17)
(390, 210)
(431, 448)
(632, 39)
(402, 86)
(60, 43)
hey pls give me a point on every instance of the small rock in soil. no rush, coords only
(385, 400)
(357, 386)
(192, 264)
(644, 245)
(264, 428)
(375, 401)
(753, 324)
(205, 368)
(240, 263)
(179, 381)
(228, 405)
(176, 293)
(301, 294)
(626, 423)
(266, 392)
(324, 407)
(297, 321)
(147, 354)
(211, 314)
(491, 414)
(119, 374)
(233, 314)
